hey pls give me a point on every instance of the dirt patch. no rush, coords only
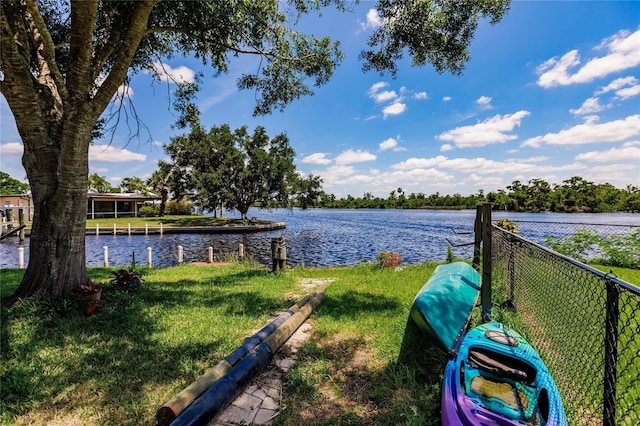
(311, 284)
(347, 393)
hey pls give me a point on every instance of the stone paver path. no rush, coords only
(260, 401)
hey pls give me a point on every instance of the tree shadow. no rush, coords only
(333, 383)
(57, 362)
(352, 303)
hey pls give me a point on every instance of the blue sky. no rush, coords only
(552, 91)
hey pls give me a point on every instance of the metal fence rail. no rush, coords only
(584, 323)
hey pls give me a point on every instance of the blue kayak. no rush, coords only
(498, 378)
(442, 308)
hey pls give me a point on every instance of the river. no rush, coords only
(330, 237)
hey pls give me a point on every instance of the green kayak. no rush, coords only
(442, 308)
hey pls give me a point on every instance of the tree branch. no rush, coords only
(43, 42)
(136, 31)
(83, 18)
(44, 56)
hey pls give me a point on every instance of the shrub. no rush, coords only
(146, 211)
(611, 250)
(388, 259)
(178, 207)
(450, 255)
(508, 225)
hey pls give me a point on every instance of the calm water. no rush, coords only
(328, 237)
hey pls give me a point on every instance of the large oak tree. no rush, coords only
(62, 63)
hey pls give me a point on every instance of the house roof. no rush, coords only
(121, 196)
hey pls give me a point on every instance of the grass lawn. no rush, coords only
(168, 221)
(188, 220)
(363, 362)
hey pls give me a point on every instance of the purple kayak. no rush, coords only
(497, 378)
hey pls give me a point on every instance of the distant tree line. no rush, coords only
(573, 195)
(269, 180)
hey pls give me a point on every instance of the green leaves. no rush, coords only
(233, 168)
(611, 250)
(432, 32)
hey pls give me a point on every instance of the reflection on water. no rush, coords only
(323, 237)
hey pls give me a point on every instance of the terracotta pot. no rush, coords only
(93, 295)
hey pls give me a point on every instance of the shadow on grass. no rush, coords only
(58, 363)
(335, 383)
(352, 303)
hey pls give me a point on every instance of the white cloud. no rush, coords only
(350, 156)
(165, 72)
(376, 93)
(11, 148)
(388, 144)
(317, 158)
(113, 155)
(628, 92)
(373, 20)
(446, 147)
(625, 153)
(396, 108)
(590, 106)
(590, 132)
(420, 96)
(538, 159)
(483, 166)
(490, 131)
(617, 84)
(385, 96)
(446, 98)
(622, 53)
(484, 102)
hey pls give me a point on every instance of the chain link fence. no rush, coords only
(584, 323)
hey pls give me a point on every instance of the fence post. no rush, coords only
(278, 254)
(21, 233)
(511, 303)
(105, 250)
(161, 229)
(114, 229)
(97, 229)
(610, 353)
(129, 229)
(477, 227)
(180, 251)
(149, 259)
(240, 251)
(20, 257)
(485, 291)
(210, 254)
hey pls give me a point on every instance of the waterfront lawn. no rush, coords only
(364, 363)
(119, 366)
(186, 220)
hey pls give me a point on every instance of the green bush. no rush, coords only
(508, 225)
(610, 250)
(450, 255)
(178, 207)
(147, 211)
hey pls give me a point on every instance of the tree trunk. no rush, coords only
(55, 112)
(163, 202)
(57, 259)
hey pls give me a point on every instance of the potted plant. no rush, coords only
(126, 279)
(88, 291)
